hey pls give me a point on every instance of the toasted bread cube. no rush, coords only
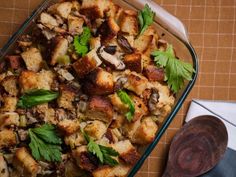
(72, 170)
(46, 114)
(99, 82)
(84, 159)
(127, 151)
(3, 167)
(118, 104)
(96, 129)
(74, 140)
(120, 170)
(87, 64)
(140, 108)
(68, 126)
(66, 97)
(99, 108)
(146, 60)
(10, 85)
(63, 9)
(9, 104)
(94, 9)
(25, 164)
(136, 83)
(154, 74)
(75, 24)
(7, 138)
(146, 132)
(33, 59)
(142, 43)
(30, 80)
(133, 62)
(129, 128)
(108, 30)
(48, 20)
(61, 46)
(129, 23)
(8, 119)
(95, 42)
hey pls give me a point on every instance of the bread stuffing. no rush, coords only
(85, 90)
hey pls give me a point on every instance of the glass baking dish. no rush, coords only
(169, 28)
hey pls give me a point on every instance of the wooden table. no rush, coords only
(211, 26)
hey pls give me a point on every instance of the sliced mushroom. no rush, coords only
(110, 59)
(124, 44)
(110, 49)
(153, 100)
(120, 83)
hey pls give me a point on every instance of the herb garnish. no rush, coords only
(81, 42)
(176, 71)
(124, 97)
(36, 97)
(45, 143)
(146, 18)
(103, 153)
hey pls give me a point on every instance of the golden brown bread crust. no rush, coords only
(3, 167)
(108, 30)
(133, 62)
(68, 126)
(10, 84)
(99, 82)
(9, 104)
(9, 119)
(100, 108)
(140, 108)
(95, 129)
(66, 98)
(25, 164)
(7, 138)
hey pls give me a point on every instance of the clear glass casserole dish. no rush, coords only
(169, 27)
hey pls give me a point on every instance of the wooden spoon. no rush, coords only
(197, 147)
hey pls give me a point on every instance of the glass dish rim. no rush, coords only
(175, 109)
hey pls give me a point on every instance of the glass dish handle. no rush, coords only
(167, 20)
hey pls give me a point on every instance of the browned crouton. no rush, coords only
(95, 42)
(136, 83)
(63, 9)
(33, 59)
(140, 108)
(99, 82)
(48, 20)
(85, 160)
(94, 9)
(118, 104)
(3, 167)
(9, 104)
(129, 22)
(99, 108)
(118, 121)
(61, 46)
(96, 129)
(127, 151)
(30, 80)
(46, 114)
(120, 170)
(87, 64)
(10, 85)
(134, 62)
(68, 126)
(154, 74)
(75, 140)
(14, 61)
(25, 164)
(8, 119)
(129, 128)
(146, 132)
(142, 42)
(75, 24)
(7, 138)
(108, 30)
(66, 98)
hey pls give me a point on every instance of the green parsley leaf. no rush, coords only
(103, 153)
(176, 71)
(81, 42)
(36, 97)
(146, 18)
(45, 143)
(124, 97)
